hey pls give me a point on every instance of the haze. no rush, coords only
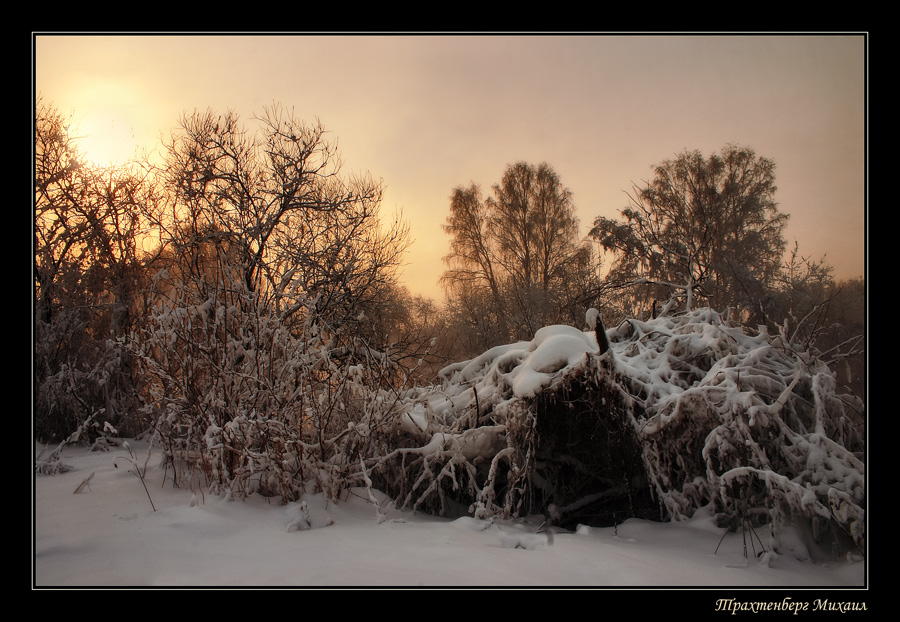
(426, 113)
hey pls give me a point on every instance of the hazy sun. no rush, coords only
(106, 139)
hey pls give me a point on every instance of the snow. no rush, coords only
(553, 350)
(528, 367)
(97, 524)
(105, 533)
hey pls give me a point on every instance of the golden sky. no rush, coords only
(426, 113)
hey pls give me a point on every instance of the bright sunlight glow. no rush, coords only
(106, 140)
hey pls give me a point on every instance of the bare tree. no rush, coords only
(517, 252)
(265, 345)
(298, 227)
(471, 273)
(705, 230)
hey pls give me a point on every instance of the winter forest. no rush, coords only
(238, 307)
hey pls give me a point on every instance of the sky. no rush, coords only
(426, 113)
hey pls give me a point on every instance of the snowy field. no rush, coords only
(108, 534)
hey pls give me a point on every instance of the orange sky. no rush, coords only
(427, 113)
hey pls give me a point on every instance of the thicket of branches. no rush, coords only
(89, 281)
(681, 412)
(240, 305)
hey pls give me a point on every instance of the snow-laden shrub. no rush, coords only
(241, 403)
(686, 411)
(745, 421)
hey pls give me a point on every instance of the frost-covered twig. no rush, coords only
(368, 482)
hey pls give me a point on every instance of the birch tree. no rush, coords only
(704, 231)
(515, 255)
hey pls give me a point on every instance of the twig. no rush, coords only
(137, 471)
(85, 482)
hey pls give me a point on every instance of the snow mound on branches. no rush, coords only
(528, 367)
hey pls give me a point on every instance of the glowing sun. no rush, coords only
(106, 138)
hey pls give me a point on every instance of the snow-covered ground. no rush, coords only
(108, 534)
